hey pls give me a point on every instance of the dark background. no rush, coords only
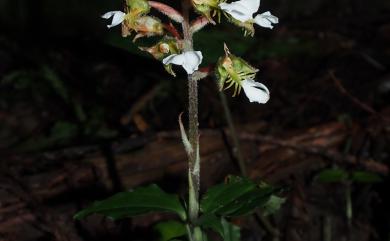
(84, 114)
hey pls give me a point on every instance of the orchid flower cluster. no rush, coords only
(238, 196)
(171, 49)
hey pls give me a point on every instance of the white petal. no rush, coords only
(251, 5)
(242, 10)
(177, 59)
(192, 61)
(266, 20)
(189, 60)
(256, 92)
(117, 18)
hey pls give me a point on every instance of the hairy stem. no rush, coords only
(193, 168)
(193, 133)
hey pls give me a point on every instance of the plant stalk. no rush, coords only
(193, 165)
(193, 133)
(233, 134)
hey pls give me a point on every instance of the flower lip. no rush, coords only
(243, 11)
(117, 18)
(190, 60)
(255, 91)
(266, 20)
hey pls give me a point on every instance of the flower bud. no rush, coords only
(135, 10)
(148, 26)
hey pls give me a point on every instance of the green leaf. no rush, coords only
(230, 232)
(132, 203)
(63, 131)
(273, 205)
(332, 175)
(248, 202)
(211, 221)
(237, 197)
(226, 230)
(221, 195)
(169, 230)
(56, 83)
(365, 177)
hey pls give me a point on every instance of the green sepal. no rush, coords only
(246, 26)
(232, 70)
(208, 8)
(138, 7)
(163, 48)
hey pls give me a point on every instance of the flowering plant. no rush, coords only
(237, 196)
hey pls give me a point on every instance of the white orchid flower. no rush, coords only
(190, 60)
(255, 91)
(117, 18)
(266, 20)
(243, 11)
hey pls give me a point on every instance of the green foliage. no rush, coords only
(230, 231)
(63, 131)
(42, 86)
(226, 230)
(336, 175)
(332, 175)
(237, 197)
(169, 230)
(132, 203)
(273, 205)
(365, 177)
(60, 133)
(55, 82)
